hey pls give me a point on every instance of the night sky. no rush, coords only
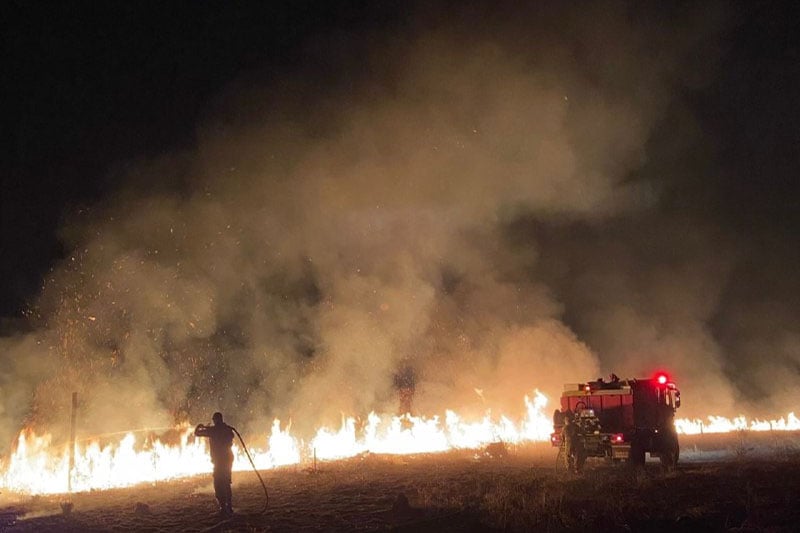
(687, 238)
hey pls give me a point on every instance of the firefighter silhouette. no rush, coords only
(404, 382)
(573, 444)
(558, 419)
(220, 436)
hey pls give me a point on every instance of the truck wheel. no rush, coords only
(669, 455)
(636, 454)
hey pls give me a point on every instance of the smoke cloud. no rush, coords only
(481, 206)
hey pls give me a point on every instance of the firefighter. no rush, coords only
(558, 419)
(573, 444)
(569, 439)
(221, 439)
(404, 382)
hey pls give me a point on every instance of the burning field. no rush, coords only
(381, 249)
(746, 480)
(407, 473)
(39, 466)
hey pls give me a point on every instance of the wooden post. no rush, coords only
(72, 441)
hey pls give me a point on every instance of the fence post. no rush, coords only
(72, 441)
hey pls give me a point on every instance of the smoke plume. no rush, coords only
(483, 206)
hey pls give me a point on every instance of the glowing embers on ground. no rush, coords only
(38, 467)
(719, 424)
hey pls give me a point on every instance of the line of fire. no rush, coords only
(615, 421)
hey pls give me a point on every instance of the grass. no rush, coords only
(756, 494)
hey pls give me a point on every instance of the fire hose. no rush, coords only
(263, 485)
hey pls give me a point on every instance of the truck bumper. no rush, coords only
(621, 451)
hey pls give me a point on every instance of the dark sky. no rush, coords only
(652, 150)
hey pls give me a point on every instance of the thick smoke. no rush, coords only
(471, 204)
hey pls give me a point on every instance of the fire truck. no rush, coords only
(618, 420)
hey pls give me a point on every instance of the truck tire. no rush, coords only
(636, 454)
(670, 452)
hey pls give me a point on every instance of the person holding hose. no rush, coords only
(220, 436)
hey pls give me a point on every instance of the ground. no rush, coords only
(742, 482)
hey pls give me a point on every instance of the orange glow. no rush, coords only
(38, 466)
(719, 424)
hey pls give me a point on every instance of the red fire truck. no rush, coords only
(618, 420)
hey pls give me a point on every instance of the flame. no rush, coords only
(37, 466)
(719, 424)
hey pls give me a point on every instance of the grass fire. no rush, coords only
(424, 474)
(410, 265)
(39, 466)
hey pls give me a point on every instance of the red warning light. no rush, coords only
(662, 379)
